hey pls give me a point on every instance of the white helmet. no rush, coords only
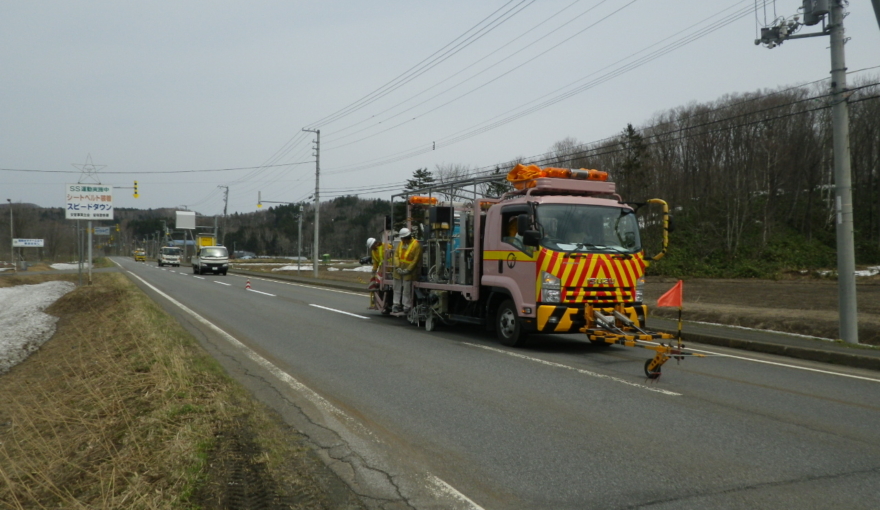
(404, 233)
(370, 242)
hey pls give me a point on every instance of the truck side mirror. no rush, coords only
(523, 224)
(531, 238)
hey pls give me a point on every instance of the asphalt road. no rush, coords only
(451, 419)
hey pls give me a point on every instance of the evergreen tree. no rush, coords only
(499, 187)
(421, 178)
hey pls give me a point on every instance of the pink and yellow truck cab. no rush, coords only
(559, 253)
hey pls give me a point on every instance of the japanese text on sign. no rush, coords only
(88, 202)
(27, 243)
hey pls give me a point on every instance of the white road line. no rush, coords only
(259, 292)
(578, 370)
(339, 311)
(221, 283)
(786, 365)
(294, 384)
(302, 285)
(199, 277)
(442, 487)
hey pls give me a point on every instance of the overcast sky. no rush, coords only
(151, 91)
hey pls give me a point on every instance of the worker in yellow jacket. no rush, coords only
(408, 256)
(377, 256)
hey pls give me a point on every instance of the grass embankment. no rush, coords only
(122, 409)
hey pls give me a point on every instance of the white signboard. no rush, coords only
(27, 243)
(88, 202)
(102, 231)
(185, 220)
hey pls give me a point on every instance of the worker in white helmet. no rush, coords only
(408, 257)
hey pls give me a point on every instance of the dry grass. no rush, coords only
(119, 410)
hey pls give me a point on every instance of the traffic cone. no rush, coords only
(248, 286)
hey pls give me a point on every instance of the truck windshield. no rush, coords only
(214, 252)
(170, 251)
(588, 228)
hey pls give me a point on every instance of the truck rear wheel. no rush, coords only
(507, 325)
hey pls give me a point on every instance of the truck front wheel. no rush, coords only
(507, 325)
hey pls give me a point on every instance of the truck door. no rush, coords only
(508, 263)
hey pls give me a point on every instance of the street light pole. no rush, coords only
(11, 238)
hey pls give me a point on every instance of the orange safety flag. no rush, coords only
(672, 297)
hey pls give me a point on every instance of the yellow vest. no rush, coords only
(408, 256)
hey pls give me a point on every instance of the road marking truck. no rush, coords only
(560, 253)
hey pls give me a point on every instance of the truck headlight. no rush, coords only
(550, 288)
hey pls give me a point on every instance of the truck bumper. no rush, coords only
(570, 318)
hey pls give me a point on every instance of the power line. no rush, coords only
(502, 75)
(427, 63)
(516, 38)
(489, 125)
(154, 172)
(606, 150)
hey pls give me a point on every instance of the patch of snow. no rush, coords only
(871, 271)
(293, 268)
(23, 325)
(258, 264)
(332, 269)
(61, 266)
(361, 269)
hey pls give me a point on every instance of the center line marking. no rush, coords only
(578, 370)
(199, 277)
(340, 311)
(786, 365)
(221, 283)
(260, 292)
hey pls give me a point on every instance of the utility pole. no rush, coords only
(317, 197)
(11, 239)
(815, 11)
(225, 205)
(299, 241)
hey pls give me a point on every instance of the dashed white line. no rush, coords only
(578, 370)
(221, 283)
(199, 277)
(339, 311)
(302, 285)
(260, 292)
